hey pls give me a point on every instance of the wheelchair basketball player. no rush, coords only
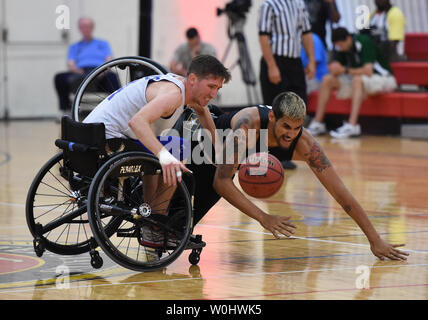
(136, 115)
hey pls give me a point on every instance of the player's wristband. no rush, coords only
(165, 157)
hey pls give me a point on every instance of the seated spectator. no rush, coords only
(321, 59)
(387, 28)
(185, 52)
(358, 70)
(82, 58)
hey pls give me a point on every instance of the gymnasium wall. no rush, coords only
(35, 49)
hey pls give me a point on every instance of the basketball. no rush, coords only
(261, 175)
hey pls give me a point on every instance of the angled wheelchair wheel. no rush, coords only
(56, 210)
(156, 220)
(109, 77)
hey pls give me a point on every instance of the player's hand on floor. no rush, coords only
(278, 225)
(383, 249)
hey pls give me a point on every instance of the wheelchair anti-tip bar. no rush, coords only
(72, 146)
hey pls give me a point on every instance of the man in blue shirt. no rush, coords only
(82, 58)
(321, 59)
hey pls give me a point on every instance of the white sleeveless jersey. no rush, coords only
(116, 110)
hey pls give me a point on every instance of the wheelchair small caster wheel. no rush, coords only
(194, 257)
(39, 247)
(96, 260)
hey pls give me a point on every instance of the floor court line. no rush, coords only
(236, 275)
(11, 204)
(302, 238)
(332, 236)
(319, 206)
(322, 291)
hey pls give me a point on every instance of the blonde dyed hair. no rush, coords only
(289, 104)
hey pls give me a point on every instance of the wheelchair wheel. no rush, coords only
(56, 210)
(156, 221)
(109, 77)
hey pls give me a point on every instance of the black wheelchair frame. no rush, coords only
(85, 197)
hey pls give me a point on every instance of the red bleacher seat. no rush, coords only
(411, 72)
(394, 104)
(416, 46)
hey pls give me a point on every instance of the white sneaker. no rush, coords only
(347, 130)
(316, 128)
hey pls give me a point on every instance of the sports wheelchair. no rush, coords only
(88, 196)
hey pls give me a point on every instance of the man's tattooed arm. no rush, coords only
(316, 158)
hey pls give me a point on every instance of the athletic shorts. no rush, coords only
(372, 85)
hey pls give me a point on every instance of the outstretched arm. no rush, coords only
(309, 150)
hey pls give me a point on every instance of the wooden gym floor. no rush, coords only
(329, 257)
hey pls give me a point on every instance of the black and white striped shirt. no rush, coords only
(284, 21)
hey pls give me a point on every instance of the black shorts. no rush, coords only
(292, 79)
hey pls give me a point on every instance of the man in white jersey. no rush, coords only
(145, 107)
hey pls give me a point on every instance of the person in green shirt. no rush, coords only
(358, 70)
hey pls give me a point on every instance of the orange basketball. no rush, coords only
(261, 175)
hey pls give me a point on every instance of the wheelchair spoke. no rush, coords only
(59, 181)
(45, 213)
(52, 195)
(160, 203)
(56, 189)
(127, 248)
(65, 218)
(65, 228)
(84, 230)
(159, 194)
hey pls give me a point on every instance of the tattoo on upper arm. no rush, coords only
(240, 122)
(317, 158)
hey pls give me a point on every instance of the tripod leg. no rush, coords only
(250, 101)
(226, 52)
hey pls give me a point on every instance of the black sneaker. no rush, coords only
(195, 242)
(155, 238)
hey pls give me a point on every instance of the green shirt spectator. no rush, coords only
(363, 51)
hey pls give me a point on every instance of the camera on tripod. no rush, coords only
(236, 9)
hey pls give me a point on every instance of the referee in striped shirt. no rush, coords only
(283, 27)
